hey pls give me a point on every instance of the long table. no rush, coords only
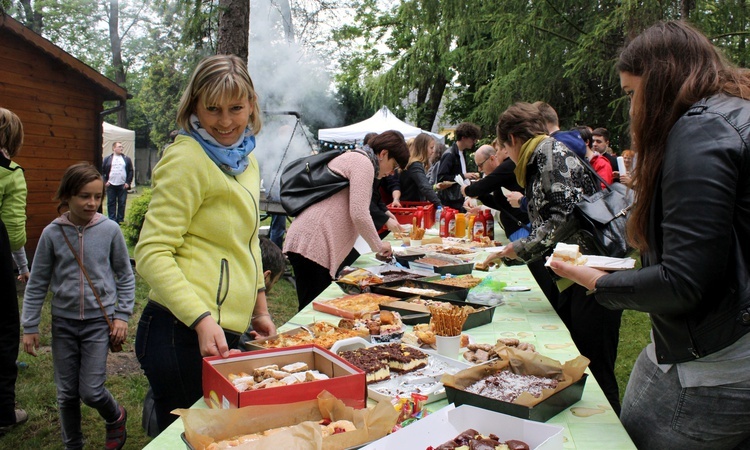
(589, 424)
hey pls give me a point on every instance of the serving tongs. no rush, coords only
(415, 316)
(304, 327)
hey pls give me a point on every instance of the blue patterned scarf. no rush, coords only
(231, 160)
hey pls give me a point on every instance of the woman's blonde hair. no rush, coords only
(419, 149)
(11, 132)
(215, 79)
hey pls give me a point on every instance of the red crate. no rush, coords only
(406, 213)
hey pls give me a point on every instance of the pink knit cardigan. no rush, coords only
(326, 231)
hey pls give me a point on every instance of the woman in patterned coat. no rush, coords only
(554, 180)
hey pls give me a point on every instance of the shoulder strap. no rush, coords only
(83, 269)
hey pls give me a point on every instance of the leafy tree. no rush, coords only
(493, 54)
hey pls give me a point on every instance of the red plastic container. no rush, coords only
(408, 211)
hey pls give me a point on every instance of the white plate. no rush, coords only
(604, 262)
(516, 288)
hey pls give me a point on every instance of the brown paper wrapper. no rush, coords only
(522, 363)
(206, 426)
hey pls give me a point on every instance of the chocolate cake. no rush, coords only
(507, 386)
(403, 358)
(472, 439)
(373, 363)
(379, 360)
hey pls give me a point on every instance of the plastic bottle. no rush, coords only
(470, 228)
(438, 213)
(445, 219)
(419, 215)
(460, 225)
(479, 224)
(489, 224)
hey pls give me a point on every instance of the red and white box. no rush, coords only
(345, 382)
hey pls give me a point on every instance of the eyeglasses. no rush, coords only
(480, 164)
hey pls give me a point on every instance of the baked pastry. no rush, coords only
(568, 253)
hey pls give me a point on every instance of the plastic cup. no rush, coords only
(448, 346)
(415, 242)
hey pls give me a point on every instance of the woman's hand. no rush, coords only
(585, 276)
(385, 250)
(394, 227)
(626, 180)
(24, 277)
(444, 185)
(507, 252)
(514, 198)
(119, 332)
(31, 343)
(211, 338)
(396, 203)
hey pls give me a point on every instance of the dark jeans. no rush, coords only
(310, 277)
(116, 198)
(9, 332)
(79, 354)
(596, 332)
(169, 354)
(658, 413)
(278, 229)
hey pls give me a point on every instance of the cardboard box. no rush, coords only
(540, 412)
(346, 382)
(447, 423)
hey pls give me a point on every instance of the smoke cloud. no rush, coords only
(287, 77)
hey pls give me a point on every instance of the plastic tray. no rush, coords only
(406, 213)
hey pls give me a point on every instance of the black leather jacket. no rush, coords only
(695, 282)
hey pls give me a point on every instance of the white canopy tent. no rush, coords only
(112, 134)
(383, 120)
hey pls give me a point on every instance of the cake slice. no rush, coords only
(568, 253)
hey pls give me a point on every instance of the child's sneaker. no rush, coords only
(116, 432)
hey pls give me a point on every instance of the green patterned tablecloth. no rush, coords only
(528, 316)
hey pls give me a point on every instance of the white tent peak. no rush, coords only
(381, 121)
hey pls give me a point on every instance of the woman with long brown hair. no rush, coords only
(413, 180)
(690, 116)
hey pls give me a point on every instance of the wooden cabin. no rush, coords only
(60, 101)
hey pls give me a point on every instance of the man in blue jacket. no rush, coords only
(117, 170)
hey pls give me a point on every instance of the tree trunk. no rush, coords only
(115, 42)
(685, 7)
(234, 28)
(33, 17)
